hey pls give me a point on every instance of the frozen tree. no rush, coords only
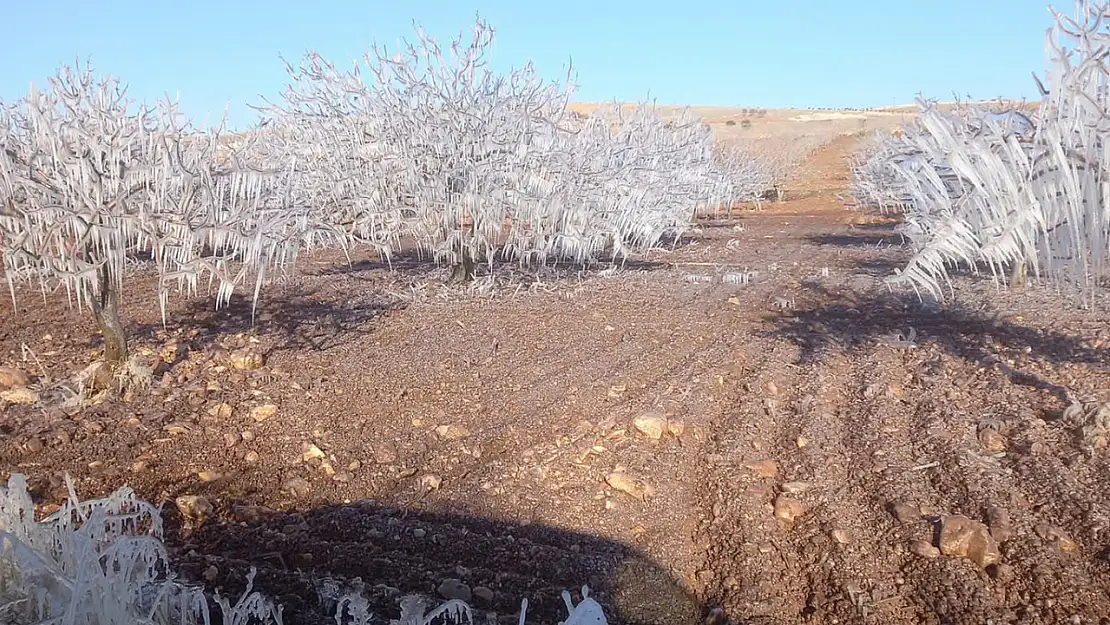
(744, 177)
(476, 140)
(1010, 189)
(876, 180)
(661, 172)
(475, 165)
(432, 144)
(327, 133)
(88, 181)
(962, 173)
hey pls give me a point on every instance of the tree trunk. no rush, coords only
(105, 308)
(1018, 274)
(463, 271)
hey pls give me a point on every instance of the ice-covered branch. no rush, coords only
(476, 165)
(1011, 188)
(87, 181)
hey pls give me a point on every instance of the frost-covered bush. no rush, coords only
(352, 608)
(962, 173)
(475, 165)
(1016, 189)
(88, 180)
(99, 562)
(744, 176)
(634, 178)
(102, 562)
(876, 181)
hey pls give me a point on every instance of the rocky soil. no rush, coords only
(750, 427)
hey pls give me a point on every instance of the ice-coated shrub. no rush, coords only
(1018, 188)
(876, 180)
(99, 562)
(102, 562)
(476, 165)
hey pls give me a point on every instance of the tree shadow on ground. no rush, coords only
(722, 223)
(411, 264)
(862, 235)
(296, 318)
(844, 322)
(852, 238)
(395, 552)
(878, 267)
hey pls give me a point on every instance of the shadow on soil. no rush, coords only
(879, 234)
(396, 552)
(880, 268)
(412, 266)
(296, 319)
(892, 319)
(867, 238)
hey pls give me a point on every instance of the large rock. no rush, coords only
(10, 377)
(455, 589)
(247, 359)
(195, 509)
(452, 432)
(963, 537)
(763, 468)
(1056, 536)
(925, 549)
(904, 512)
(20, 395)
(385, 453)
(629, 485)
(651, 424)
(263, 412)
(788, 510)
(1001, 526)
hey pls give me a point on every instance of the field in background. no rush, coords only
(749, 422)
(779, 123)
(784, 138)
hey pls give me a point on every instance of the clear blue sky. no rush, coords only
(778, 53)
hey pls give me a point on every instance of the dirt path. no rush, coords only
(420, 436)
(830, 417)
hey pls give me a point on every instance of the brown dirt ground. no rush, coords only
(546, 376)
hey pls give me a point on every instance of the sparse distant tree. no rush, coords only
(659, 174)
(746, 176)
(783, 156)
(88, 181)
